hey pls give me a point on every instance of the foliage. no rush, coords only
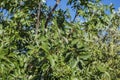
(85, 49)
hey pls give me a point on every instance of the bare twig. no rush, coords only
(51, 12)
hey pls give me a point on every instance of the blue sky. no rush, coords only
(115, 2)
(63, 4)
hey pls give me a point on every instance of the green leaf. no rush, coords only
(75, 41)
(101, 68)
(85, 56)
(52, 61)
(45, 47)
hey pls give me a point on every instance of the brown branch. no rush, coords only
(38, 17)
(51, 12)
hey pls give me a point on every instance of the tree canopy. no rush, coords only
(40, 42)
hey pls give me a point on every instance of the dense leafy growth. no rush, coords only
(40, 43)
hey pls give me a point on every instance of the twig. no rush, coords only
(75, 17)
(51, 12)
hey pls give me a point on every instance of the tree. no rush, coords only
(40, 43)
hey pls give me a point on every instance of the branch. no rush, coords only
(50, 14)
(38, 17)
(75, 17)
